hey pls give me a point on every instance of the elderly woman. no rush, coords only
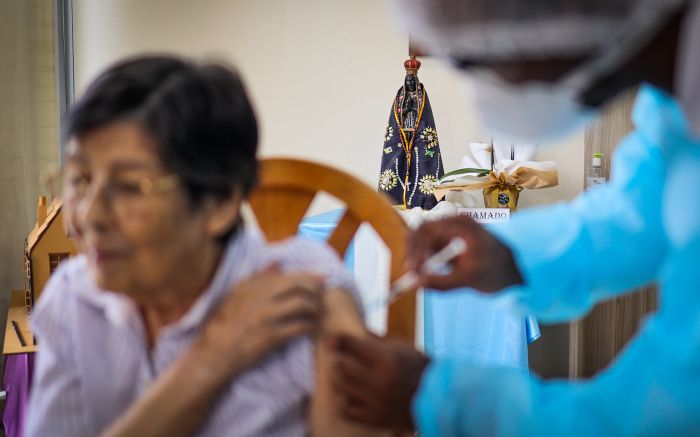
(175, 319)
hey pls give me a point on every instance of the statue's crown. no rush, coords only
(412, 65)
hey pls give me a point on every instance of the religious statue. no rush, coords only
(411, 161)
(410, 104)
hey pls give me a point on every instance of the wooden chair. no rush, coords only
(286, 189)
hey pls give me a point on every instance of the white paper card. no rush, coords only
(486, 215)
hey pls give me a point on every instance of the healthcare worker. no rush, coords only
(541, 68)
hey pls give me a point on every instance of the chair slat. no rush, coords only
(342, 235)
(279, 212)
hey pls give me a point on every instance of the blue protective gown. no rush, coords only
(643, 226)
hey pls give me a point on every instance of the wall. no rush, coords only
(28, 129)
(322, 74)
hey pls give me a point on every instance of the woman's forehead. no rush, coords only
(124, 145)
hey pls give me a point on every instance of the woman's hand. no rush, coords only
(487, 264)
(260, 314)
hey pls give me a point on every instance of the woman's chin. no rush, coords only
(110, 279)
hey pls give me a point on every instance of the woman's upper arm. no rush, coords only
(341, 316)
(55, 406)
(55, 403)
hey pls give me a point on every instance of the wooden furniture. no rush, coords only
(46, 246)
(288, 186)
(18, 313)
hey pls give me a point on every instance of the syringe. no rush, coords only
(433, 265)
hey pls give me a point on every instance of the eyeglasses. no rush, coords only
(127, 195)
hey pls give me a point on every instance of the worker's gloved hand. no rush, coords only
(375, 379)
(486, 265)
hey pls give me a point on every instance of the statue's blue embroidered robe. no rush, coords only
(410, 170)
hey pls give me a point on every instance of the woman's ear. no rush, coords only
(222, 213)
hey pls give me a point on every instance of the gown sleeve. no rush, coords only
(604, 243)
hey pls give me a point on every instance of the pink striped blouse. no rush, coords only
(93, 361)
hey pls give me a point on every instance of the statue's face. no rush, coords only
(410, 82)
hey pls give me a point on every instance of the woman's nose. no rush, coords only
(94, 209)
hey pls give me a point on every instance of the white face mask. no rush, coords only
(534, 112)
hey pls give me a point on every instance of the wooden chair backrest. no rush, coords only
(288, 186)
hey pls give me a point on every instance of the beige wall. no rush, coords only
(28, 128)
(322, 73)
